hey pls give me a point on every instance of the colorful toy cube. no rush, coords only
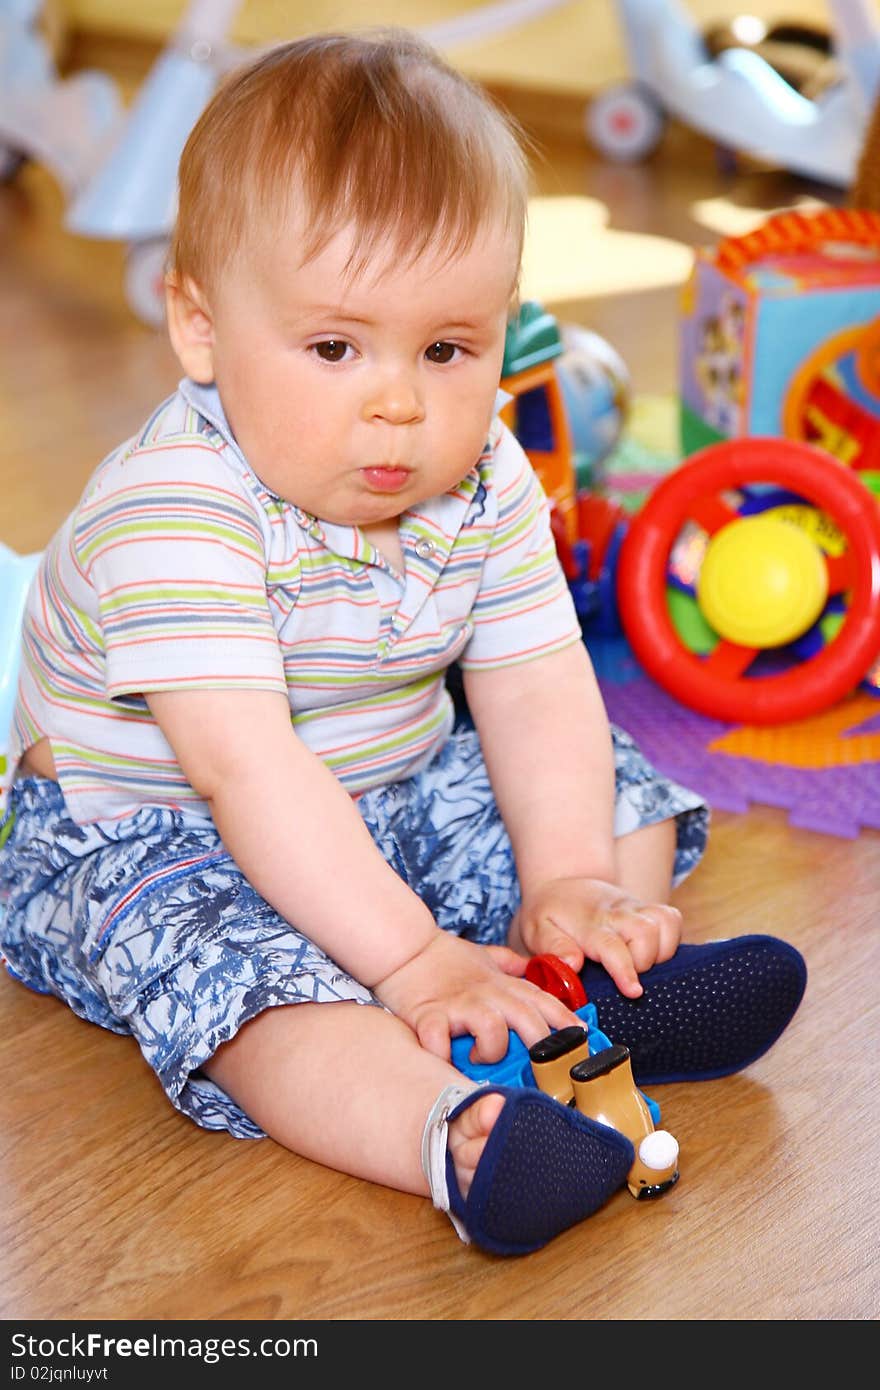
(763, 313)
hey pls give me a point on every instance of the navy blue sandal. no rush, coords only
(709, 1011)
(545, 1167)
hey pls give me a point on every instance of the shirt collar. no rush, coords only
(206, 400)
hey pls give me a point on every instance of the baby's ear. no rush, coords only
(190, 327)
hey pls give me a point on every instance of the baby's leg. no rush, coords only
(646, 860)
(349, 1086)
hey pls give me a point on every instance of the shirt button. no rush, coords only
(424, 548)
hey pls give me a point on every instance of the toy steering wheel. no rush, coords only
(763, 582)
(556, 976)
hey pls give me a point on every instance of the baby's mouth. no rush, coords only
(385, 478)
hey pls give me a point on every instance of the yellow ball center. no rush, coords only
(762, 583)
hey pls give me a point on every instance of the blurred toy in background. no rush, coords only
(67, 125)
(865, 190)
(758, 314)
(597, 390)
(132, 197)
(749, 582)
(718, 365)
(803, 54)
(834, 400)
(735, 96)
(570, 393)
(536, 408)
(569, 398)
(780, 335)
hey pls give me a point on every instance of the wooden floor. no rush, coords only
(112, 1206)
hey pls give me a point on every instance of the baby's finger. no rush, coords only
(509, 962)
(548, 939)
(538, 1014)
(529, 1012)
(652, 932)
(608, 948)
(491, 1033)
(433, 1033)
(670, 929)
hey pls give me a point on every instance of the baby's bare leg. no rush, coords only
(645, 861)
(349, 1086)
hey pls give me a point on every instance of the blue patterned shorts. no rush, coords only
(146, 926)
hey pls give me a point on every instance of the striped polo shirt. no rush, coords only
(179, 569)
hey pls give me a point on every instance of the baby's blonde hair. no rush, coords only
(374, 131)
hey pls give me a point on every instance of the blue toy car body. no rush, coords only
(515, 1069)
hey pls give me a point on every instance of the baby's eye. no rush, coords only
(441, 353)
(333, 350)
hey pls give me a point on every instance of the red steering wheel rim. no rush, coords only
(814, 684)
(557, 977)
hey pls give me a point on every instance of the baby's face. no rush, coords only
(358, 399)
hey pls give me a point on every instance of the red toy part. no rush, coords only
(555, 976)
(718, 685)
(597, 520)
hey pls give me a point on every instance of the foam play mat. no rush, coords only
(824, 772)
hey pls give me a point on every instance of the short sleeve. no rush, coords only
(524, 607)
(172, 545)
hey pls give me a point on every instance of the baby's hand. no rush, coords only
(454, 986)
(585, 917)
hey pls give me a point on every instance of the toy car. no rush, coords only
(579, 1066)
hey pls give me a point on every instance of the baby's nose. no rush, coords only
(394, 396)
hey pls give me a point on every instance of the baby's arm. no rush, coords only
(548, 749)
(296, 835)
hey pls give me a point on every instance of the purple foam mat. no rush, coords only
(839, 801)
